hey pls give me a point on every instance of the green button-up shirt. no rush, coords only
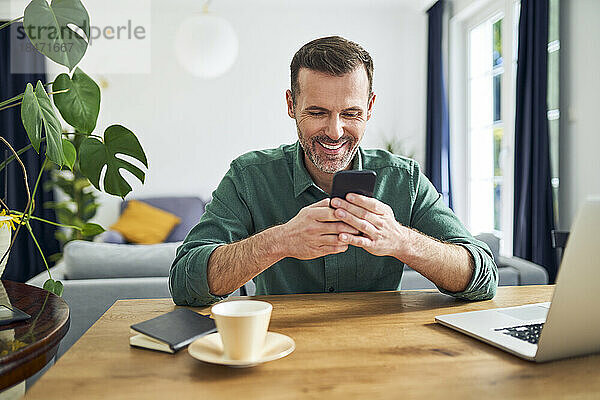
(269, 187)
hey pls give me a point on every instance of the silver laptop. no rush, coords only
(569, 325)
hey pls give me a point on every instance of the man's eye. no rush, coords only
(351, 115)
(315, 113)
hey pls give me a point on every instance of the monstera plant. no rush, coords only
(60, 30)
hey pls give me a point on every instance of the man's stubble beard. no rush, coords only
(324, 164)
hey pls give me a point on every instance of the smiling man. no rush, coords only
(271, 219)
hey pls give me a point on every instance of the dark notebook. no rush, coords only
(172, 331)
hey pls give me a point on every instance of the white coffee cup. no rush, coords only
(243, 326)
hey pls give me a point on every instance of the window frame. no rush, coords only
(459, 27)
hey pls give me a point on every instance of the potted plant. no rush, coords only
(77, 98)
(77, 203)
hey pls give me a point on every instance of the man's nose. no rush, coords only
(336, 128)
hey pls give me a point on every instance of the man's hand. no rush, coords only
(447, 265)
(382, 234)
(312, 233)
(315, 232)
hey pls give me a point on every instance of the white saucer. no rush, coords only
(209, 349)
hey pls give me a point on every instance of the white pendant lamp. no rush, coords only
(206, 45)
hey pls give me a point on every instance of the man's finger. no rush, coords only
(369, 203)
(321, 203)
(359, 212)
(323, 214)
(338, 227)
(330, 240)
(358, 241)
(362, 225)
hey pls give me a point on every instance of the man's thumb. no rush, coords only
(321, 203)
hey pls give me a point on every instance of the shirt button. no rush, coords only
(331, 289)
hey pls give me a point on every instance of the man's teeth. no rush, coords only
(330, 147)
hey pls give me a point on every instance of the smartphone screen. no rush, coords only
(361, 182)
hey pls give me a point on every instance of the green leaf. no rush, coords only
(58, 288)
(94, 155)
(53, 286)
(80, 183)
(47, 26)
(61, 236)
(80, 105)
(90, 229)
(64, 215)
(70, 153)
(65, 186)
(49, 285)
(77, 222)
(89, 211)
(36, 110)
(54, 204)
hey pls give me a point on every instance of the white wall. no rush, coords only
(579, 104)
(191, 128)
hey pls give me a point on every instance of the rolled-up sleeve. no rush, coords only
(227, 219)
(431, 216)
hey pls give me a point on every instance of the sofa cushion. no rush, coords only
(89, 260)
(143, 224)
(189, 209)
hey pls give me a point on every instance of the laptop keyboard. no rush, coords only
(529, 333)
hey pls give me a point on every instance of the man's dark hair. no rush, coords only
(331, 55)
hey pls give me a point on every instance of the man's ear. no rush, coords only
(370, 105)
(290, 103)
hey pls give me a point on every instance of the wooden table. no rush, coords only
(27, 346)
(348, 345)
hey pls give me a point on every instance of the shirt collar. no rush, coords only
(303, 180)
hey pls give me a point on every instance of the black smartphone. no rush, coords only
(9, 314)
(361, 182)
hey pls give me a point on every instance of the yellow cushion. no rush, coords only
(143, 224)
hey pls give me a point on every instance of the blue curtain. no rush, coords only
(437, 155)
(534, 211)
(24, 260)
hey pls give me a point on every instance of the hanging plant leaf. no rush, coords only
(47, 26)
(80, 104)
(90, 229)
(70, 153)
(37, 111)
(53, 286)
(94, 155)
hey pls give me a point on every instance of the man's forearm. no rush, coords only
(232, 265)
(447, 265)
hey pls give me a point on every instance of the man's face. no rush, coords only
(331, 113)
